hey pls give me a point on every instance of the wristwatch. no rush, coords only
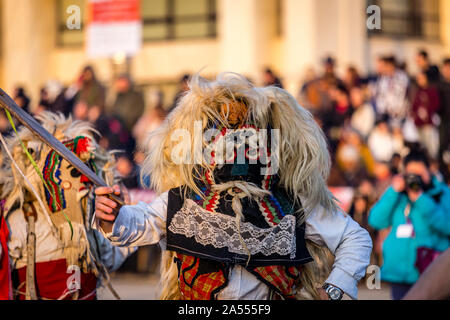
(333, 292)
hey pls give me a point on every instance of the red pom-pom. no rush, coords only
(82, 145)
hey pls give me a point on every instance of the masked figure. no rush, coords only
(54, 254)
(244, 211)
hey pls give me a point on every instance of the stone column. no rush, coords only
(245, 31)
(444, 18)
(300, 40)
(27, 40)
(352, 42)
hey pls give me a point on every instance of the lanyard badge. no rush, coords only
(406, 230)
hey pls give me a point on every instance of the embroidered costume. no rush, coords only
(244, 211)
(53, 252)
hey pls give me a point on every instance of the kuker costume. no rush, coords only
(253, 219)
(45, 229)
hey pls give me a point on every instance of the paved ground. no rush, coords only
(132, 287)
(138, 287)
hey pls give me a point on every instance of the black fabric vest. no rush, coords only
(189, 246)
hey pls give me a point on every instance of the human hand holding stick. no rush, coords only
(106, 207)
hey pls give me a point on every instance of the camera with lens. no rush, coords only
(413, 182)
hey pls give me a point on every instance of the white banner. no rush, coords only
(115, 27)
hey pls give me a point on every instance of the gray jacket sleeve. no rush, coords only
(350, 244)
(138, 225)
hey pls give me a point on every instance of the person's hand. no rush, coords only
(398, 183)
(106, 210)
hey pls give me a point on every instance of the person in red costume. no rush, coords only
(46, 236)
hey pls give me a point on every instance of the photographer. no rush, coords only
(417, 207)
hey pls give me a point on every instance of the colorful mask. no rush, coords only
(62, 179)
(63, 191)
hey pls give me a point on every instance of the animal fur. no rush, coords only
(304, 162)
(14, 188)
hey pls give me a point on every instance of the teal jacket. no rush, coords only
(430, 216)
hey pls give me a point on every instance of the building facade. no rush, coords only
(243, 36)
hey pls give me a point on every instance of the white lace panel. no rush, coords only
(220, 230)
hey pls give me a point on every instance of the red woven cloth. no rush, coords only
(284, 279)
(5, 272)
(51, 281)
(194, 285)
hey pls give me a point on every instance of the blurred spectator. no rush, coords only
(129, 104)
(351, 78)
(423, 62)
(128, 171)
(403, 66)
(329, 75)
(390, 93)
(113, 134)
(146, 124)
(334, 120)
(398, 141)
(363, 117)
(270, 79)
(91, 92)
(372, 78)
(417, 207)
(424, 109)
(149, 122)
(309, 77)
(366, 188)
(183, 88)
(359, 211)
(383, 177)
(21, 98)
(303, 96)
(317, 94)
(444, 113)
(5, 126)
(353, 160)
(44, 104)
(381, 142)
(60, 99)
(315, 97)
(395, 164)
(80, 111)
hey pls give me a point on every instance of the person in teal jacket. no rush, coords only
(417, 208)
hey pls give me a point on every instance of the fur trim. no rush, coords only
(76, 249)
(304, 161)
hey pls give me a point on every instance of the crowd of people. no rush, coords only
(385, 130)
(372, 123)
(121, 125)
